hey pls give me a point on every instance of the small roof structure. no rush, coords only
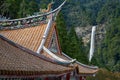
(82, 69)
(86, 70)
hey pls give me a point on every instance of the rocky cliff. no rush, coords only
(85, 33)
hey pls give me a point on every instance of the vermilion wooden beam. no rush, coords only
(80, 77)
(68, 76)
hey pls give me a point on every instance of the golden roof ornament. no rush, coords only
(48, 8)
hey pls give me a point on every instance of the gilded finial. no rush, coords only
(48, 7)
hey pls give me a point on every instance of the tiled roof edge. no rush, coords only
(91, 67)
(30, 74)
(88, 74)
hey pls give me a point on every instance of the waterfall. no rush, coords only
(92, 43)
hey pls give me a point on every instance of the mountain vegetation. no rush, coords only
(104, 74)
(96, 12)
(108, 53)
(70, 43)
(18, 8)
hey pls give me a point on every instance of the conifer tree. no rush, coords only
(62, 31)
(76, 47)
(70, 43)
(23, 11)
(33, 7)
(9, 8)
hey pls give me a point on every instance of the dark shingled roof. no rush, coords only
(15, 61)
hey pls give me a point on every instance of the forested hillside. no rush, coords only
(18, 8)
(104, 74)
(82, 12)
(96, 12)
(108, 53)
(78, 13)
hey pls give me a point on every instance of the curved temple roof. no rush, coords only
(31, 38)
(16, 61)
(36, 39)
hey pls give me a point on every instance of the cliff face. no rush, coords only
(85, 33)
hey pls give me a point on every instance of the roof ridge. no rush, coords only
(44, 37)
(58, 59)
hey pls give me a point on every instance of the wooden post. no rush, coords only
(46, 78)
(32, 79)
(80, 77)
(68, 76)
(60, 77)
(84, 77)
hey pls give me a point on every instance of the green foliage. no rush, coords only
(9, 8)
(43, 3)
(104, 74)
(27, 8)
(109, 53)
(82, 12)
(33, 7)
(1, 5)
(23, 11)
(76, 47)
(18, 8)
(70, 43)
(62, 31)
(110, 10)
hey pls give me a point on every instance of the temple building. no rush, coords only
(30, 49)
